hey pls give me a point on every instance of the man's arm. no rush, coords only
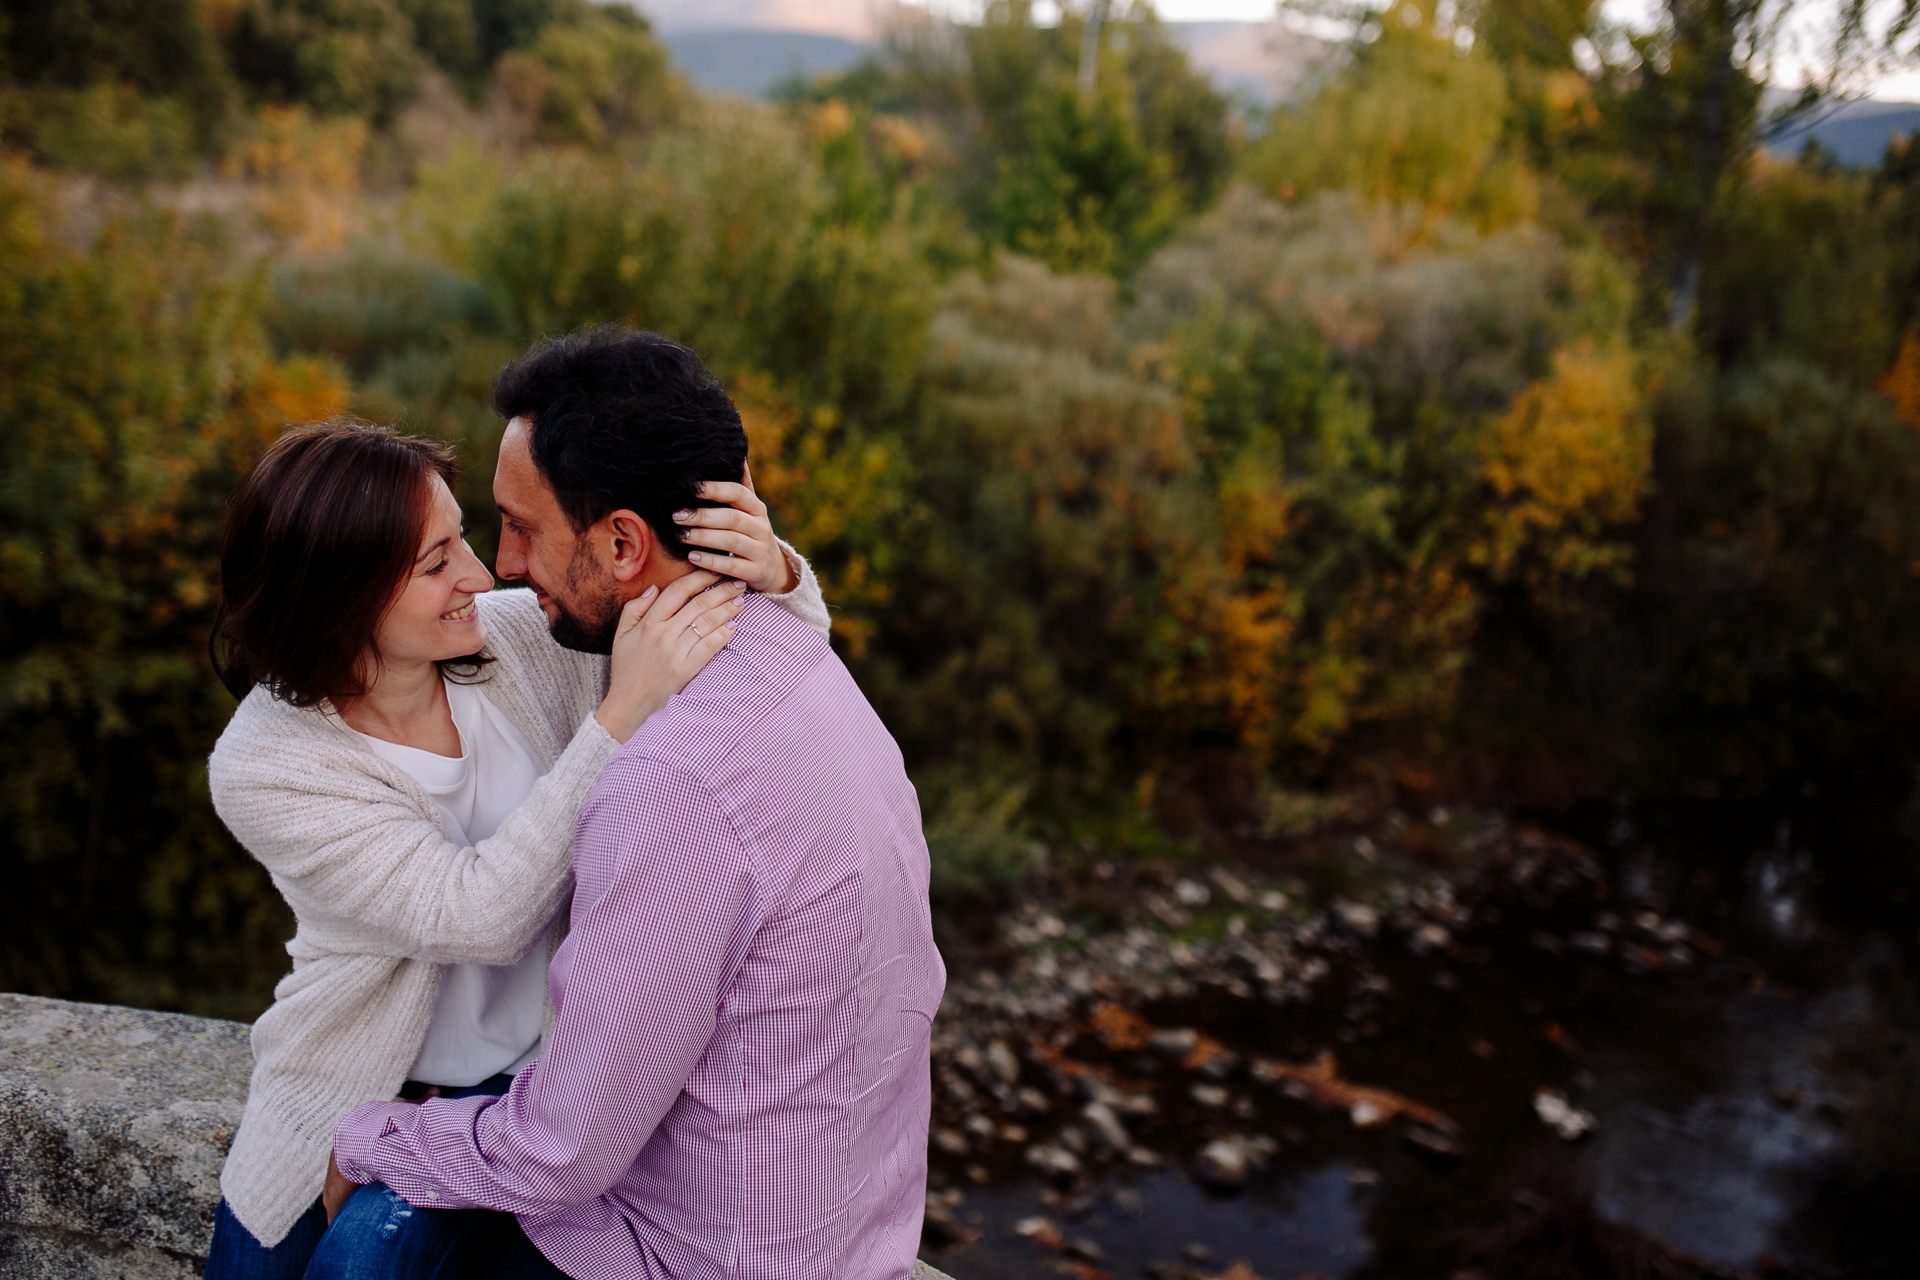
(662, 915)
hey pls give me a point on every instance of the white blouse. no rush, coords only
(488, 1018)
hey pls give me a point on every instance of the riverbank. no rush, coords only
(1432, 1045)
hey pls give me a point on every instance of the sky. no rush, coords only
(854, 19)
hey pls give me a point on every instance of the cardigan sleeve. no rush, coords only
(367, 869)
(805, 601)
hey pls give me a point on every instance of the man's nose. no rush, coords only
(510, 559)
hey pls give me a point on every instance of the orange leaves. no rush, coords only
(1568, 461)
(1319, 1082)
(1901, 382)
(1121, 1030)
(305, 174)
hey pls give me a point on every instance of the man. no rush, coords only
(737, 1082)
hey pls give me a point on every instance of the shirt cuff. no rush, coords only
(356, 1139)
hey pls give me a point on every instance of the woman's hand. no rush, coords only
(738, 537)
(665, 639)
(333, 1196)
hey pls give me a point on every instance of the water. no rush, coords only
(1756, 1114)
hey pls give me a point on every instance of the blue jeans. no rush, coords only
(377, 1235)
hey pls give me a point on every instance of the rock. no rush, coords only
(1032, 1101)
(1567, 1121)
(1014, 1133)
(113, 1126)
(951, 1141)
(1231, 885)
(1106, 1126)
(1128, 1202)
(1273, 900)
(1191, 893)
(1211, 1096)
(1175, 1042)
(1362, 919)
(1057, 1161)
(1361, 1176)
(1086, 1250)
(1367, 1114)
(1194, 1251)
(1591, 941)
(1001, 1060)
(1228, 1163)
(1433, 1146)
(980, 1126)
(1548, 942)
(1222, 1165)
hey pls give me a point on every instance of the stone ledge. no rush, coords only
(113, 1126)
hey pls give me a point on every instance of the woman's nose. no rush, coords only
(473, 574)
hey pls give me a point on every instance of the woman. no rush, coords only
(408, 762)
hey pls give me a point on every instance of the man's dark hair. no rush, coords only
(624, 419)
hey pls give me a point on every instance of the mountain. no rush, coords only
(751, 62)
(1254, 62)
(1857, 132)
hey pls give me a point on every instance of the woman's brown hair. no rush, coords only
(318, 542)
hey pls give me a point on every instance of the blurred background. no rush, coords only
(1389, 536)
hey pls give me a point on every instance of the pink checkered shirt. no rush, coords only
(738, 1082)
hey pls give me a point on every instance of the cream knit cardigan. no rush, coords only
(384, 899)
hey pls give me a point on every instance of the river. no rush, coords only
(1754, 1104)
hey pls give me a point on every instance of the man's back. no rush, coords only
(765, 825)
(737, 1081)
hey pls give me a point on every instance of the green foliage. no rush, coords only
(1767, 631)
(1417, 120)
(1083, 182)
(106, 129)
(593, 81)
(341, 57)
(1155, 481)
(134, 390)
(162, 48)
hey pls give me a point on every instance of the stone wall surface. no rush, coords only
(113, 1125)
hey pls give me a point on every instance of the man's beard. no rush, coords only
(590, 611)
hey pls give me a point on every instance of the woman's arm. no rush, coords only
(351, 843)
(354, 843)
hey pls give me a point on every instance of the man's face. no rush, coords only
(538, 543)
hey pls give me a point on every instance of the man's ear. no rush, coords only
(631, 545)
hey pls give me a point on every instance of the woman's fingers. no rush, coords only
(636, 609)
(679, 591)
(719, 518)
(726, 540)
(707, 621)
(701, 651)
(734, 495)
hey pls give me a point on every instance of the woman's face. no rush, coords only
(434, 617)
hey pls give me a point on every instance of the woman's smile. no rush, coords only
(464, 613)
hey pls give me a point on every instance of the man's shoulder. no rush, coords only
(770, 657)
